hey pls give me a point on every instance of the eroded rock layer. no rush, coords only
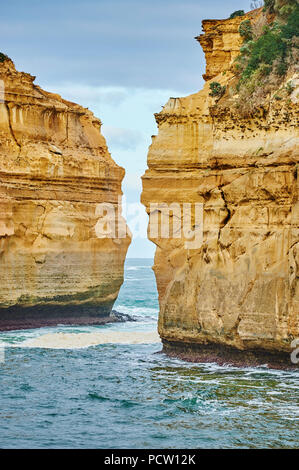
(55, 169)
(240, 289)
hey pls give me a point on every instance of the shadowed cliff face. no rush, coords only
(55, 169)
(240, 288)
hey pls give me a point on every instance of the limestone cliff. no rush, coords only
(55, 169)
(240, 290)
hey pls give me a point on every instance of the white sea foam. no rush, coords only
(85, 340)
(142, 313)
(135, 268)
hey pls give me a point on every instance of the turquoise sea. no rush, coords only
(117, 392)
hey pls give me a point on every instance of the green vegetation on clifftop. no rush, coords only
(269, 51)
(3, 57)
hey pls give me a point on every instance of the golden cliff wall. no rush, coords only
(240, 290)
(54, 169)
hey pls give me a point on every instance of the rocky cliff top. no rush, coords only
(49, 135)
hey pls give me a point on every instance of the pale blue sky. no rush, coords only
(121, 58)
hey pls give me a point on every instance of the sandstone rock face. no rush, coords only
(240, 289)
(55, 169)
(221, 44)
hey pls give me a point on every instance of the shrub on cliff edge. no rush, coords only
(282, 8)
(245, 30)
(3, 57)
(237, 13)
(216, 89)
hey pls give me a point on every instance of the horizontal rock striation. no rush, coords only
(240, 290)
(221, 44)
(55, 169)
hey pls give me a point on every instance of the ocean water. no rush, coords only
(109, 387)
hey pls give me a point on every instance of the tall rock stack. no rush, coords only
(55, 169)
(236, 298)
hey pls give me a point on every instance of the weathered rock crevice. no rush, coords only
(11, 129)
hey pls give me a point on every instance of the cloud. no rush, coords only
(132, 181)
(131, 43)
(90, 95)
(121, 138)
